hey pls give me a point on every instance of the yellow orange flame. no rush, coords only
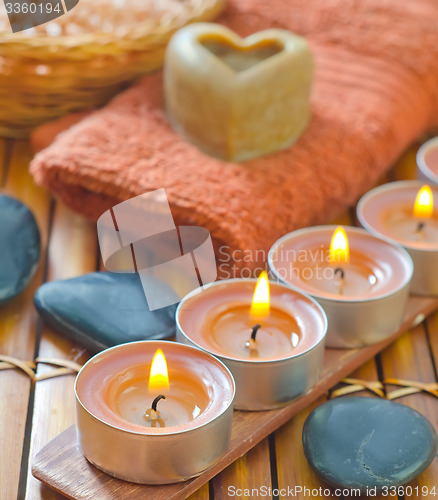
(423, 207)
(260, 301)
(339, 251)
(158, 378)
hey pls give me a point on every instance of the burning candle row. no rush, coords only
(256, 345)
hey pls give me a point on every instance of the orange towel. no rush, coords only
(375, 91)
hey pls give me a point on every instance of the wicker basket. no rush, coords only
(43, 77)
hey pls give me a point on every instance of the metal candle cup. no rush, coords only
(370, 304)
(118, 444)
(290, 362)
(387, 211)
(427, 161)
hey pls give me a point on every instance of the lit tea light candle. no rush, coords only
(263, 332)
(133, 405)
(427, 161)
(404, 212)
(362, 282)
(333, 273)
(129, 397)
(259, 331)
(237, 98)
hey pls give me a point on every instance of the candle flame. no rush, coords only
(158, 378)
(260, 301)
(339, 251)
(423, 207)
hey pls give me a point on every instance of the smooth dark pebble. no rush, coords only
(100, 310)
(362, 443)
(20, 247)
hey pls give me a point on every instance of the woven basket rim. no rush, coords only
(46, 77)
(144, 29)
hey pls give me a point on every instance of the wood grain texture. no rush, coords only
(431, 326)
(18, 327)
(292, 468)
(249, 428)
(249, 472)
(410, 359)
(4, 162)
(203, 493)
(72, 251)
(367, 372)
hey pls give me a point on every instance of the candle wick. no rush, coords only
(251, 344)
(340, 271)
(420, 227)
(153, 415)
(255, 329)
(155, 402)
(340, 283)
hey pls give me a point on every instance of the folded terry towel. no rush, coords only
(375, 90)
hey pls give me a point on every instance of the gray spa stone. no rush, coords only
(364, 443)
(100, 310)
(19, 247)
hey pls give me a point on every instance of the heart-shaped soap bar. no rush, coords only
(238, 98)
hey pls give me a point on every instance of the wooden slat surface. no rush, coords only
(70, 249)
(18, 328)
(367, 372)
(410, 359)
(248, 429)
(253, 470)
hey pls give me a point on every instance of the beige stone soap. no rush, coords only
(237, 98)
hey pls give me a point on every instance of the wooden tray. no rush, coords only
(62, 466)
